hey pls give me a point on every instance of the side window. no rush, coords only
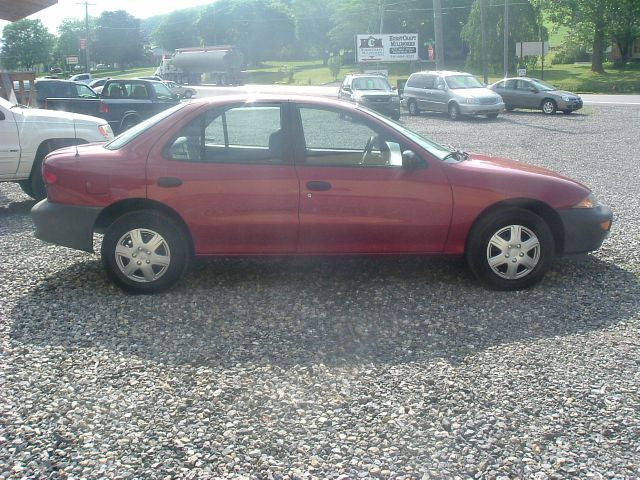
(115, 90)
(414, 81)
(439, 83)
(242, 134)
(500, 84)
(137, 90)
(84, 92)
(162, 91)
(336, 139)
(510, 84)
(522, 85)
(429, 82)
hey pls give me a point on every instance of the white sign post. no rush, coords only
(394, 47)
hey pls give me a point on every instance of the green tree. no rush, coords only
(625, 27)
(70, 32)
(117, 39)
(261, 29)
(617, 21)
(178, 30)
(26, 43)
(312, 22)
(524, 26)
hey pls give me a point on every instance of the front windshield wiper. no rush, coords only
(456, 154)
(19, 105)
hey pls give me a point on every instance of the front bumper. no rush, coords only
(570, 106)
(476, 109)
(585, 228)
(66, 225)
(388, 108)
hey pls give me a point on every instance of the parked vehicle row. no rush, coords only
(305, 176)
(456, 94)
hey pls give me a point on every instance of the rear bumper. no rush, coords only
(585, 228)
(66, 225)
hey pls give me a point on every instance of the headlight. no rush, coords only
(566, 98)
(589, 202)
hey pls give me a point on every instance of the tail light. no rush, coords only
(49, 177)
(104, 108)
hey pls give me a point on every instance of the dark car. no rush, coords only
(239, 175)
(54, 88)
(372, 91)
(522, 92)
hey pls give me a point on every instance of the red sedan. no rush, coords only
(305, 176)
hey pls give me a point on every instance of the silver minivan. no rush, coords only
(455, 93)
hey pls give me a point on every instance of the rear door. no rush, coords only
(355, 196)
(228, 173)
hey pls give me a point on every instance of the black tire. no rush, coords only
(36, 182)
(167, 262)
(188, 94)
(396, 116)
(454, 111)
(492, 115)
(509, 108)
(549, 106)
(516, 262)
(25, 185)
(412, 105)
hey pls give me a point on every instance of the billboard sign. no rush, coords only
(393, 47)
(72, 60)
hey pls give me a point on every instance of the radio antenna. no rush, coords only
(75, 136)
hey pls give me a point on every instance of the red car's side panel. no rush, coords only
(481, 182)
(96, 177)
(374, 210)
(231, 208)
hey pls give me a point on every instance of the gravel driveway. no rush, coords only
(336, 368)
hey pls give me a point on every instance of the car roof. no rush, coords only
(441, 72)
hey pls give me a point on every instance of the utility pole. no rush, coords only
(381, 16)
(437, 22)
(506, 38)
(86, 34)
(483, 42)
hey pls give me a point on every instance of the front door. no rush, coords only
(227, 173)
(355, 196)
(9, 142)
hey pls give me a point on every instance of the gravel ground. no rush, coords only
(336, 368)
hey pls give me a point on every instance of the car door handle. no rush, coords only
(168, 182)
(318, 186)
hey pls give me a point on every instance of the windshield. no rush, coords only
(542, 85)
(435, 149)
(162, 92)
(125, 137)
(371, 83)
(462, 81)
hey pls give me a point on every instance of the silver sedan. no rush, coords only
(523, 92)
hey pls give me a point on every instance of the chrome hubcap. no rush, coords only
(513, 252)
(142, 255)
(547, 107)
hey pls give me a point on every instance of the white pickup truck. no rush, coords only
(27, 135)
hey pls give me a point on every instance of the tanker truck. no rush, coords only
(220, 64)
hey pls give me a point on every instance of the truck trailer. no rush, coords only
(219, 64)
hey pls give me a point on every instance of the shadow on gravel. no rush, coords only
(16, 207)
(307, 310)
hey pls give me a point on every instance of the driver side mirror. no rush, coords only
(533, 90)
(411, 161)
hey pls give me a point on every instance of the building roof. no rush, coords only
(13, 10)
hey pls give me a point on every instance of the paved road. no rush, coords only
(332, 91)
